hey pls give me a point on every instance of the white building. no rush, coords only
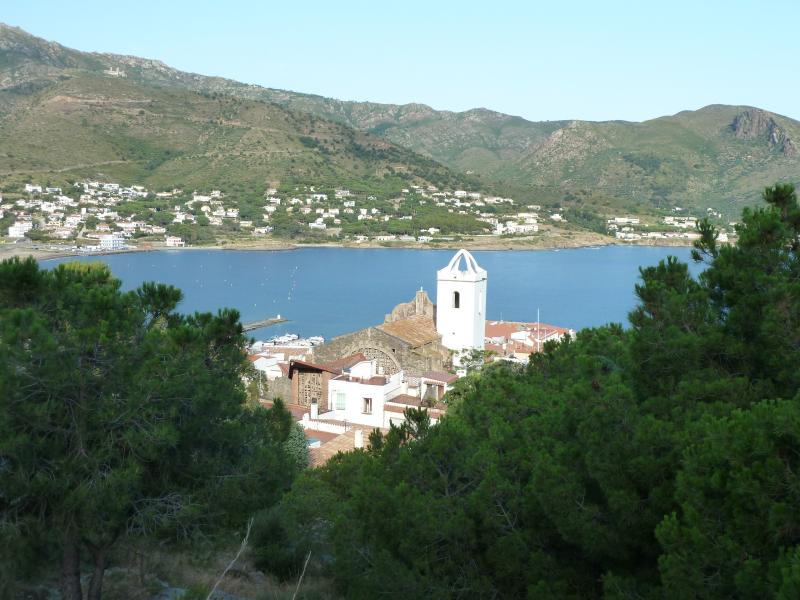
(112, 242)
(359, 394)
(19, 229)
(268, 365)
(173, 241)
(461, 303)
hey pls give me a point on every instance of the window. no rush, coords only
(456, 300)
(367, 406)
(341, 403)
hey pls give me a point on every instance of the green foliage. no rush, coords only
(121, 417)
(296, 446)
(647, 162)
(738, 493)
(180, 138)
(275, 548)
(655, 462)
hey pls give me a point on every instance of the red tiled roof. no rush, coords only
(440, 376)
(416, 331)
(322, 436)
(537, 334)
(375, 380)
(405, 399)
(294, 363)
(504, 329)
(345, 362)
(287, 352)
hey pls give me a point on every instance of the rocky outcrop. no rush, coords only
(420, 305)
(754, 123)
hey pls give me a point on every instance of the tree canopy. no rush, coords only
(657, 461)
(121, 417)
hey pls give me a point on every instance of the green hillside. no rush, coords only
(718, 156)
(61, 117)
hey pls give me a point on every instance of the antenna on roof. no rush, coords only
(538, 331)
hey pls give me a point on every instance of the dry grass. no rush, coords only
(140, 573)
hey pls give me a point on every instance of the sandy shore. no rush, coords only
(549, 242)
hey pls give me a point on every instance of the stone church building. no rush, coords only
(407, 340)
(418, 337)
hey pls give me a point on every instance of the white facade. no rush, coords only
(461, 303)
(111, 242)
(269, 366)
(174, 241)
(19, 229)
(358, 397)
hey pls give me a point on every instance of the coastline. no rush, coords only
(501, 244)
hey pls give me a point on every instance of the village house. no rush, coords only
(112, 242)
(172, 241)
(514, 340)
(19, 229)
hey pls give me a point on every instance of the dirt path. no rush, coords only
(64, 169)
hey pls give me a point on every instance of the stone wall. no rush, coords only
(393, 354)
(279, 388)
(420, 305)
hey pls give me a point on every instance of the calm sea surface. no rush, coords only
(331, 291)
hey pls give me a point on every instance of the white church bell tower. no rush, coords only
(461, 303)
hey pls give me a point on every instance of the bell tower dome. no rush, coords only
(461, 303)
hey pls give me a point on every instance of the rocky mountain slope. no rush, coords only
(65, 114)
(719, 156)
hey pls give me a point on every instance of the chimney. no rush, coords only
(359, 439)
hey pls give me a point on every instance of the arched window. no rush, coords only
(456, 300)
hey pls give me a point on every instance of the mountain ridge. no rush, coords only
(60, 109)
(690, 158)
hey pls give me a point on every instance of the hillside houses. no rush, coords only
(418, 214)
(90, 209)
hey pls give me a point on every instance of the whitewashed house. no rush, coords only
(19, 229)
(173, 241)
(268, 365)
(359, 394)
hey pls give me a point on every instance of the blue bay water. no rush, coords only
(331, 291)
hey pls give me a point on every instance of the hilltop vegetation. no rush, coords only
(62, 118)
(718, 156)
(122, 420)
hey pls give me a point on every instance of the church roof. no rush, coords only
(471, 272)
(346, 362)
(415, 331)
(440, 376)
(335, 367)
(295, 365)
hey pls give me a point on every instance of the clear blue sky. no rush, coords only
(542, 60)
